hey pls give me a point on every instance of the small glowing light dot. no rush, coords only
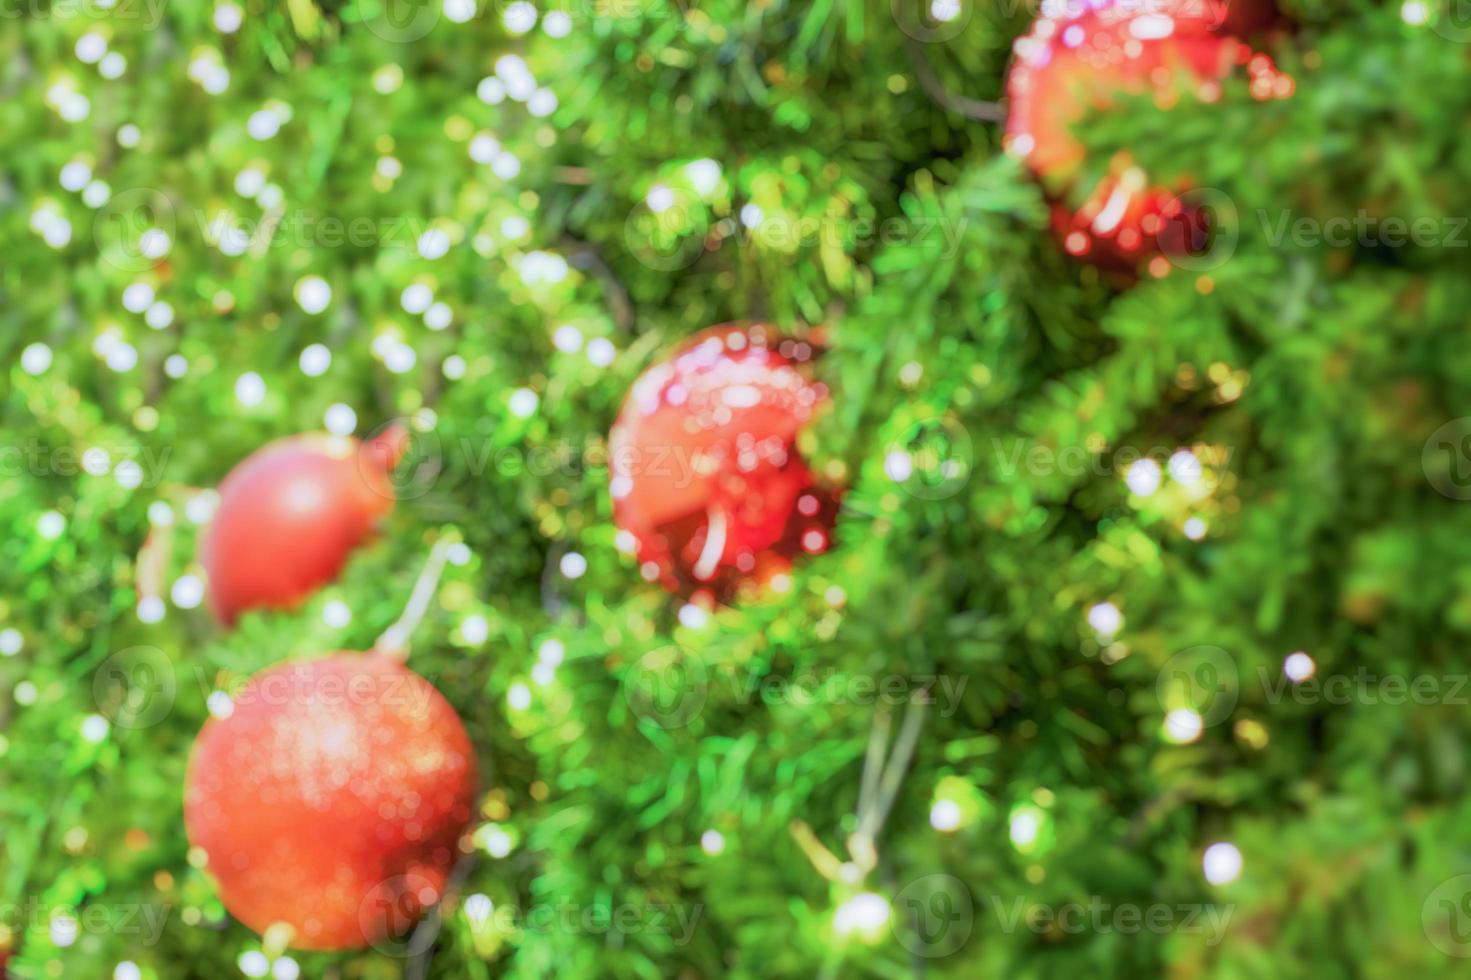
(523, 402)
(660, 198)
(438, 316)
(250, 389)
(497, 842)
(567, 339)
(201, 507)
(1184, 467)
(1195, 529)
(399, 358)
(228, 18)
(74, 175)
(25, 693)
(253, 963)
(514, 227)
(91, 47)
(249, 182)
(458, 553)
(520, 17)
(94, 728)
(160, 514)
(1183, 726)
(159, 315)
(313, 294)
(128, 474)
(154, 243)
(945, 815)
(551, 652)
(1414, 13)
(751, 215)
(315, 360)
(557, 23)
(176, 365)
(474, 628)
(51, 525)
(63, 928)
(600, 351)
(454, 367)
(1105, 619)
(127, 970)
(285, 968)
(122, 357)
(96, 461)
(1221, 864)
(336, 614)
(519, 696)
(479, 908)
(220, 704)
(712, 842)
(128, 135)
(1143, 477)
(863, 914)
(96, 194)
(10, 641)
(459, 11)
(416, 298)
(573, 565)
(433, 244)
(137, 297)
(1024, 826)
(187, 591)
(898, 465)
(150, 609)
(1299, 667)
(704, 175)
(492, 91)
(693, 616)
(263, 124)
(340, 419)
(945, 11)
(35, 359)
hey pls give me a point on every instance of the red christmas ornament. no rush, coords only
(332, 798)
(1082, 60)
(289, 516)
(706, 474)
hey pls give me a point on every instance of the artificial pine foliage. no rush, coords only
(1139, 649)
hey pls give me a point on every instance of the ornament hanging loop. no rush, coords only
(395, 640)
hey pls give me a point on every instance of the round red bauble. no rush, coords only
(706, 476)
(331, 798)
(290, 514)
(1083, 59)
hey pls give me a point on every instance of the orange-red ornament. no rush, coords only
(330, 797)
(706, 475)
(1082, 60)
(289, 516)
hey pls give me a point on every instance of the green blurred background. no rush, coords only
(1093, 520)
